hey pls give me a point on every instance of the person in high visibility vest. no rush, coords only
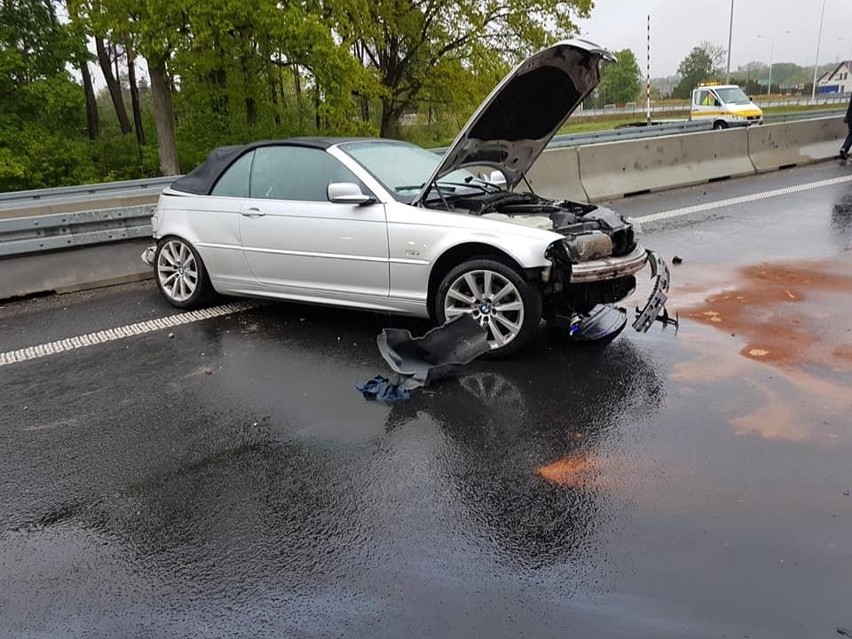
(844, 150)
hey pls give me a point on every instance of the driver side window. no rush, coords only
(296, 173)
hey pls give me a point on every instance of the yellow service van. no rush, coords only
(725, 104)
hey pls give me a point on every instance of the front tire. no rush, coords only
(496, 295)
(720, 125)
(180, 274)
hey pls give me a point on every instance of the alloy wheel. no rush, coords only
(177, 270)
(492, 300)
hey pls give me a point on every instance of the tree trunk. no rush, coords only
(93, 121)
(297, 83)
(112, 85)
(164, 117)
(273, 94)
(391, 113)
(249, 87)
(134, 94)
(220, 103)
(251, 111)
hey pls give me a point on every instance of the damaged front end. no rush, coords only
(594, 268)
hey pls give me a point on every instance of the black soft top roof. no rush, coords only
(202, 179)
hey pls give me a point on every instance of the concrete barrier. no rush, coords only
(787, 144)
(556, 174)
(74, 270)
(617, 169)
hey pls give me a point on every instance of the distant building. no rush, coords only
(837, 81)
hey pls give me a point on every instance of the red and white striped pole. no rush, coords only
(648, 75)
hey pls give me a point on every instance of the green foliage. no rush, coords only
(621, 81)
(33, 45)
(411, 44)
(243, 70)
(702, 64)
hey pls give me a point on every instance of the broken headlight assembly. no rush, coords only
(584, 247)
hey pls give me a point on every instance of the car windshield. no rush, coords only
(732, 95)
(404, 168)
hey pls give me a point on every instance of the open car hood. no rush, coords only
(517, 120)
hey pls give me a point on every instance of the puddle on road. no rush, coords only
(791, 317)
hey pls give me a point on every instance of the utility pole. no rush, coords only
(819, 42)
(771, 56)
(648, 75)
(730, 41)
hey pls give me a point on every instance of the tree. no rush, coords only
(622, 80)
(42, 109)
(149, 27)
(105, 59)
(408, 42)
(703, 63)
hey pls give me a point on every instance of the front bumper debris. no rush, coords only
(655, 308)
(609, 268)
(148, 255)
(440, 353)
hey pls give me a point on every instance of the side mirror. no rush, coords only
(348, 193)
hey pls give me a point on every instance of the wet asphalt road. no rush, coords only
(229, 481)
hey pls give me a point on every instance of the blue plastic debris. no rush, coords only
(380, 389)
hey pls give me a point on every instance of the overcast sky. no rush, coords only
(679, 25)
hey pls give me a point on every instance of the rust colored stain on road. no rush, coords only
(778, 309)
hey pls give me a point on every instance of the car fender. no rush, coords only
(419, 238)
(220, 247)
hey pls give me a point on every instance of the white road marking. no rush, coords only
(743, 199)
(113, 334)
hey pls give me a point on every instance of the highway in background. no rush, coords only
(222, 477)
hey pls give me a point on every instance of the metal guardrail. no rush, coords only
(34, 233)
(638, 110)
(20, 235)
(616, 135)
(16, 199)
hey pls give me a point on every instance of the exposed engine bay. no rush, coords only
(594, 232)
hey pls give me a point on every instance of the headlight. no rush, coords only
(592, 245)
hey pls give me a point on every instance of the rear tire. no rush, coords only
(497, 296)
(180, 274)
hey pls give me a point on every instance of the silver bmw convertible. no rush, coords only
(382, 225)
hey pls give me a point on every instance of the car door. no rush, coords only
(704, 104)
(298, 243)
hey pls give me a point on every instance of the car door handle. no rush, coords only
(252, 211)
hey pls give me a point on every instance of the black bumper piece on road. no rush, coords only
(655, 308)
